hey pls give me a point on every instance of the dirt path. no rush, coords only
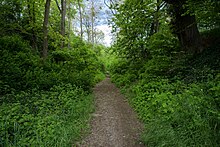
(114, 123)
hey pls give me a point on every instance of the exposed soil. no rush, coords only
(114, 123)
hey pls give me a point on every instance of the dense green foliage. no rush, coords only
(44, 118)
(45, 103)
(175, 93)
(206, 12)
(176, 97)
(22, 70)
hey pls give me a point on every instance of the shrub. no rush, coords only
(45, 103)
(13, 44)
(175, 94)
(51, 118)
(21, 69)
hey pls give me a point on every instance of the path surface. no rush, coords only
(114, 123)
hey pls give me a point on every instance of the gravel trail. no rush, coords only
(114, 123)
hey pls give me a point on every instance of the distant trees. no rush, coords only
(87, 18)
(80, 18)
(155, 23)
(49, 24)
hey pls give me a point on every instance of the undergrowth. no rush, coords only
(175, 94)
(52, 118)
(45, 103)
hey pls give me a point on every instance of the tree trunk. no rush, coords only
(34, 36)
(93, 17)
(188, 33)
(80, 15)
(45, 29)
(88, 28)
(32, 21)
(88, 33)
(156, 19)
(185, 26)
(154, 28)
(63, 15)
(69, 24)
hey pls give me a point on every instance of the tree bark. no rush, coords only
(188, 34)
(34, 36)
(185, 26)
(69, 24)
(45, 29)
(63, 15)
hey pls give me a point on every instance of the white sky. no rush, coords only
(107, 31)
(103, 26)
(101, 22)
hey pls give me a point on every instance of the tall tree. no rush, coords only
(32, 21)
(185, 26)
(63, 15)
(90, 19)
(69, 22)
(156, 15)
(134, 18)
(81, 19)
(62, 21)
(93, 20)
(45, 28)
(87, 25)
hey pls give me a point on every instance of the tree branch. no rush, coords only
(58, 6)
(109, 6)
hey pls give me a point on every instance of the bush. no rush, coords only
(175, 94)
(13, 44)
(185, 112)
(52, 118)
(177, 114)
(45, 103)
(21, 69)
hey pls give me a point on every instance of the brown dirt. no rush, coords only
(114, 123)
